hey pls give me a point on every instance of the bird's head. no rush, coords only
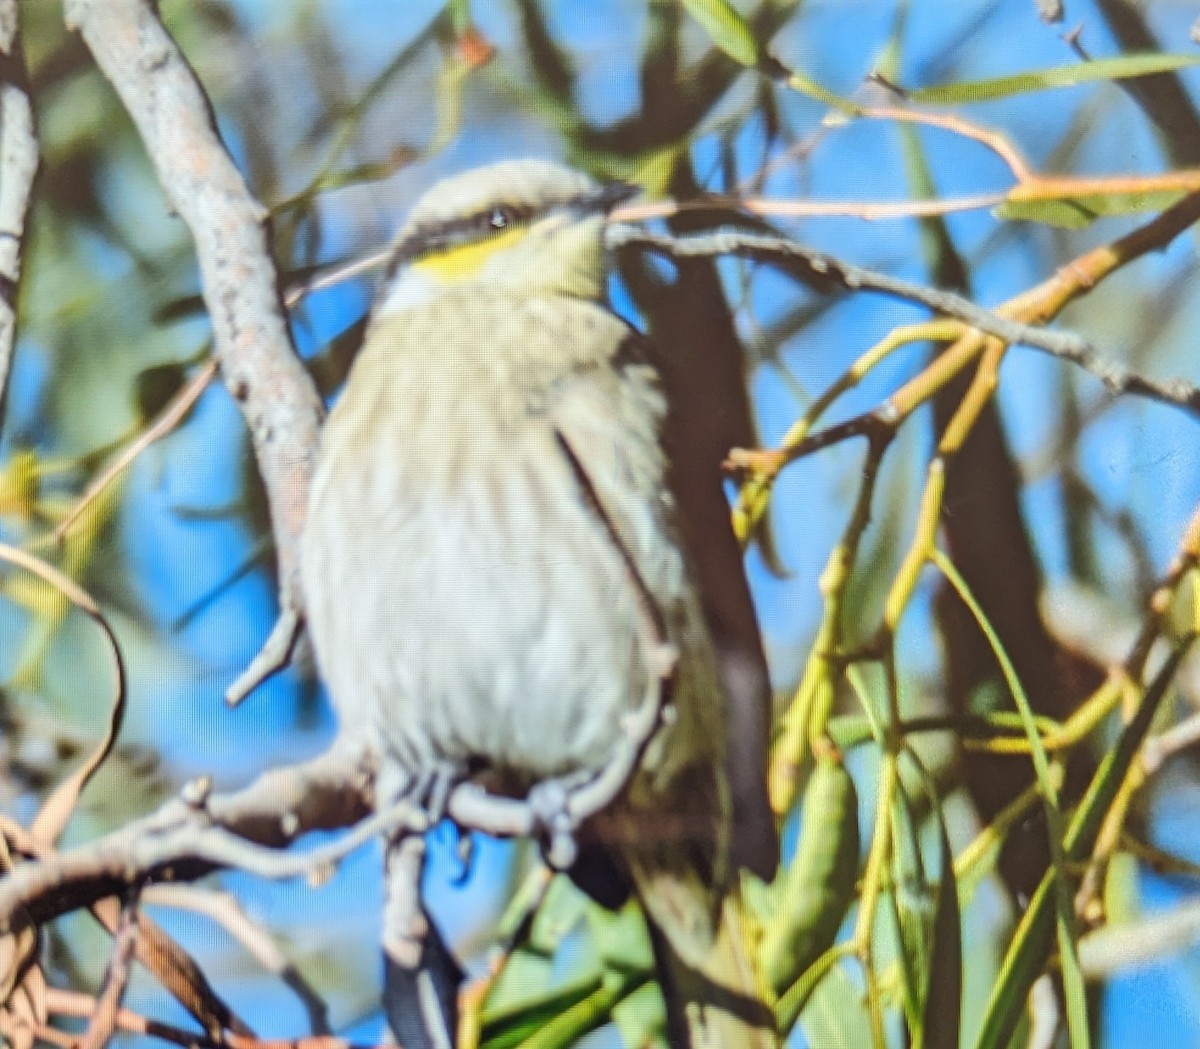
(528, 225)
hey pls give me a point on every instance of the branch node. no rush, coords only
(196, 792)
(272, 657)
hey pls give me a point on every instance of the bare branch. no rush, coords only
(252, 343)
(103, 1023)
(18, 166)
(1167, 744)
(199, 833)
(247, 830)
(72, 1003)
(822, 267)
(225, 909)
(1120, 948)
(1118, 380)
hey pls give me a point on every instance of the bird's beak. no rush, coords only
(609, 197)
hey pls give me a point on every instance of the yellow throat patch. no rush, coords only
(466, 260)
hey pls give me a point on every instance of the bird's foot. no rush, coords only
(430, 789)
(550, 804)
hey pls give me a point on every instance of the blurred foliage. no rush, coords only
(1044, 650)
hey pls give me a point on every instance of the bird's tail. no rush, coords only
(714, 995)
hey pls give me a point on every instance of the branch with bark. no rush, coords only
(19, 161)
(822, 269)
(258, 360)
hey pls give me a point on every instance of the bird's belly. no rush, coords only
(495, 626)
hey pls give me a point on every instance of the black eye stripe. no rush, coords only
(482, 223)
(457, 232)
(444, 236)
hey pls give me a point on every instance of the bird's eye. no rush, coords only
(501, 218)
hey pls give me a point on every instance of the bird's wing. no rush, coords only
(696, 515)
(608, 421)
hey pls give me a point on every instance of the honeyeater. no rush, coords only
(491, 510)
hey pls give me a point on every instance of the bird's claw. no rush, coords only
(431, 787)
(549, 801)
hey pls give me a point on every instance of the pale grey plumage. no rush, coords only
(510, 620)
(466, 600)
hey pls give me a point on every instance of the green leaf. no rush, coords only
(942, 1017)
(912, 905)
(1077, 1020)
(728, 29)
(1030, 947)
(811, 897)
(1078, 211)
(585, 1016)
(514, 1024)
(1122, 894)
(641, 1019)
(531, 972)
(1124, 67)
(1064, 214)
(620, 937)
(460, 15)
(836, 1017)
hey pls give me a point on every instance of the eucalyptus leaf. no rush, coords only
(1121, 68)
(727, 29)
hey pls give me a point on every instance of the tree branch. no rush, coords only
(258, 362)
(822, 268)
(18, 167)
(198, 833)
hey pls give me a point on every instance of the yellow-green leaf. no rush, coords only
(1066, 214)
(727, 29)
(812, 896)
(1121, 68)
(1075, 211)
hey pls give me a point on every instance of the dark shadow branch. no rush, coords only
(258, 361)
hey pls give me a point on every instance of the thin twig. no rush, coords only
(171, 416)
(224, 909)
(822, 267)
(1119, 380)
(1064, 345)
(103, 1022)
(330, 791)
(773, 207)
(1159, 749)
(335, 273)
(52, 818)
(75, 1004)
(993, 140)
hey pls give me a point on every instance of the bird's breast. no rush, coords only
(475, 608)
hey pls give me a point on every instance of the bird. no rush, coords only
(491, 525)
